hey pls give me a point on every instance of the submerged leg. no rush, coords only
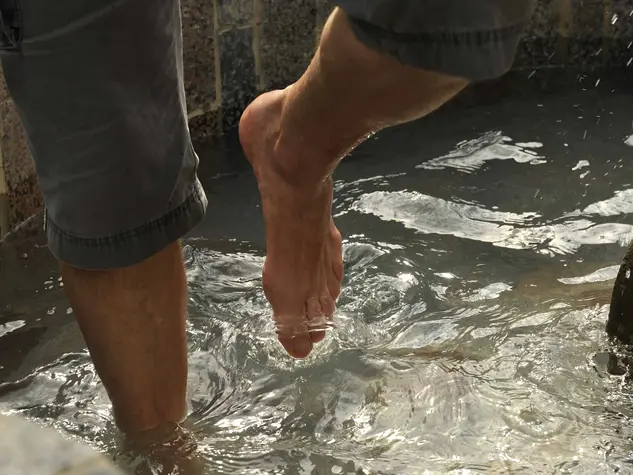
(133, 320)
(99, 87)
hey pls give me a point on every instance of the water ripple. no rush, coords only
(469, 332)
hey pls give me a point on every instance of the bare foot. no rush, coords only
(304, 264)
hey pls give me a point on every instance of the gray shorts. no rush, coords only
(99, 87)
(472, 39)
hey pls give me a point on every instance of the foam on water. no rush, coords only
(430, 215)
(470, 155)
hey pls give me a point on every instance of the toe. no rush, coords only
(334, 284)
(318, 315)
(293, 334)
(314, 311)
(317, 336)
(298, 346)
(336, 252)
(327, 309)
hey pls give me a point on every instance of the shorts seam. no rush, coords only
(472, 38)
(170, 217)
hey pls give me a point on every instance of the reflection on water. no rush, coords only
(470, 155)
(469, 332)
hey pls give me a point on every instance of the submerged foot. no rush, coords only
(304, 266)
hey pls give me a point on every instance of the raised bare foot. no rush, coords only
(304, 265)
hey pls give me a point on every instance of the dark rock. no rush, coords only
(620, 321)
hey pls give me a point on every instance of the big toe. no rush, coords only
(320, 312)
(297, 346)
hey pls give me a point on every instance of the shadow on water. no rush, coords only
(481, 246)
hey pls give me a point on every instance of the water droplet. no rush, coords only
(69, 310)
(597, 82)
(628, 63)
(51, 311)
(581, 164)
(614, 18)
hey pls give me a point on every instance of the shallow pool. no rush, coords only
(481, 244)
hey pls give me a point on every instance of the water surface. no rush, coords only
(480, 245)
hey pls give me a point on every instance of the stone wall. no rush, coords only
(579, 33)
(235, 49)
(19, 195)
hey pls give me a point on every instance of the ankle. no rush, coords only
(302, 171)
(281, 153)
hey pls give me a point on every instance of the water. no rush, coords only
(481, 246)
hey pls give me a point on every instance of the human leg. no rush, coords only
(133, 321)
(98, 85)
(386, 63)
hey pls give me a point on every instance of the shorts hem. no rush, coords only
(129, 247)
(473, 55)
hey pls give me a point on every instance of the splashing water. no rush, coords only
(469, 332)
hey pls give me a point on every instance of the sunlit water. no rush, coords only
(481, 245)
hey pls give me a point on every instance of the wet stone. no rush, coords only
(620, 323)
(288, 40)
(234, 12)
(199, 55)
(238, 73)
(29, 449)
